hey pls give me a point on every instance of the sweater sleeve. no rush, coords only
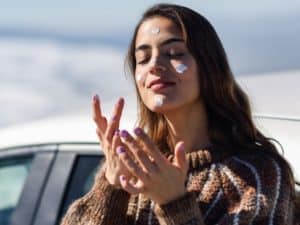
(259, 191)
(103, 205)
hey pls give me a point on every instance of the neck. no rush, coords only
(189, 124)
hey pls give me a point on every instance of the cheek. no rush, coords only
(144, 94)
(193, 78)
(180, 67)
(188, 75)
(195, 83)
(140, 78)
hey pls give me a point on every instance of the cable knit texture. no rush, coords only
(222, 189)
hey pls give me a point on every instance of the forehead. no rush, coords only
(166, 27)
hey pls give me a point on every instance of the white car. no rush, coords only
(275, 101)
(46, 165)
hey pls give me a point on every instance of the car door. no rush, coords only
(23, 174)
(71, 177)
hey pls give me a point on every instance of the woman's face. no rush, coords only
(166, 73)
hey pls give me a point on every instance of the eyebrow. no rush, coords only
(166, 42)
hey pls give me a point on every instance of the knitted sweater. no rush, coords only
(221, 189)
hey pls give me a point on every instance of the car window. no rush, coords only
(81, 180)
(13, 173)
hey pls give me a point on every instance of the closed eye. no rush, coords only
(143, 61)
(175, 55)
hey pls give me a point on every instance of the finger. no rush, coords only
(129, 187)
(115, 119)
(101, 139)
(132, 166)
(179, 157)
(116, 141)
(139, 154)
(100, 135)
(149, 146)
(99, 119)
(117, 111)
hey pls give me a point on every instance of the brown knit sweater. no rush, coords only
(222, 189)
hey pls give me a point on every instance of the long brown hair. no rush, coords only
(230, 124)
(230, 121)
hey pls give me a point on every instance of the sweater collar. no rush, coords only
(203, 157)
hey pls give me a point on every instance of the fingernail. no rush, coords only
(122, 177)
(124, 134)
(120, 100)
(120, 149)
(181, 147)
(95, 97)
(117, 133)
(138, 131)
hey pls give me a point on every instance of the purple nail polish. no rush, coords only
(138, 131)
(181, 148)
(124, 134)
(120, 149)
(122, 177)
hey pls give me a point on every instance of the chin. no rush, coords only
(159, 110)
(163, 109)
(165, 106)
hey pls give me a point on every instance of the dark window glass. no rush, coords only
(81, 181)
(13, 174)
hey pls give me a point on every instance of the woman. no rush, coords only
(196, 156)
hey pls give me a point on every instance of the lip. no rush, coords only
(160, 84)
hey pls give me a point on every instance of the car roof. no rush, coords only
(64, 130)
(70, 128)
(274, 94)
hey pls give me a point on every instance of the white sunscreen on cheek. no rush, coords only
(138, 77)
(158, 101)
(181, 68)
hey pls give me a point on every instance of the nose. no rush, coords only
(156, 66)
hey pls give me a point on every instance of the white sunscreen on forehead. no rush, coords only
(181, 68)
(158, 100)
(154, 30)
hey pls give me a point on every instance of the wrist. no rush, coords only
(113, 180)
(176, 196)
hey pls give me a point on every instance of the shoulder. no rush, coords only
(252, 186)
(260, 181)
(257, 168)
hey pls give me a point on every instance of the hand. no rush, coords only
(157, 178)
(108, 135)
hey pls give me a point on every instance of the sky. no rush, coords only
(100, 17)
(54, 55)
